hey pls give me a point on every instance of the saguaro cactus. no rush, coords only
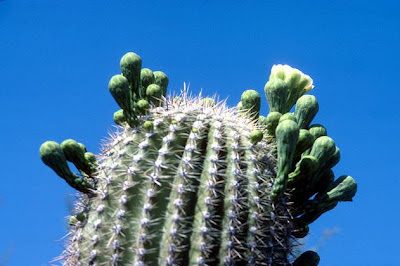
(188, 181)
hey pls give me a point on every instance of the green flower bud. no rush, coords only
(287, 134)
(342, 189)
(74, 153)
(146, 78)
(323, 149)
(72, 150)
(143, 106)
(306, 109)
(119, 117)
(154, 94)
(92, 161)
(148, 126)
(53, 156)
(305, 142)
(271, 122)
(161, 80)
(275, 91)
(256, 136)
(131, 64)
(119, 88)
(251, 102)
(317, 130)
(72, 220)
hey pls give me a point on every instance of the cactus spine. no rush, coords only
(187, 181)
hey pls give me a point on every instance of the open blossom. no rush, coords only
(292, 76)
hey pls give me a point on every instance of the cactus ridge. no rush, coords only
(189, 181)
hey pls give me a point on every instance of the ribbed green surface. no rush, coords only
(183, 192)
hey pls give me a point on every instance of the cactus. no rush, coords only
(189, 181)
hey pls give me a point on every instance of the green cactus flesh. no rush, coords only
(189, 181)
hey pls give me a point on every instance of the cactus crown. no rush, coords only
(188, 181)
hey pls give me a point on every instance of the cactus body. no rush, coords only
(192, 182)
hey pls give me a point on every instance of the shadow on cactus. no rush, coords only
(188, 181)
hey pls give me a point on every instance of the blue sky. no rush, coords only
(56, 58)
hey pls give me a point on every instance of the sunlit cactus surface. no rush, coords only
(189, 181)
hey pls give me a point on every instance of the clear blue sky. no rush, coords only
(56, 58)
